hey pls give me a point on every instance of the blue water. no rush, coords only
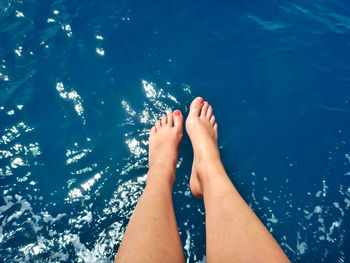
(82, 82)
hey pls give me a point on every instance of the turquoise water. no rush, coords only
(82, 82)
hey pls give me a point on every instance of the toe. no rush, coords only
(204, 109)
(163, 120)
(196, 106)
(215, 126)
(158, 124)
(170, 119)
(212, 120)
(153, 130)
(209, 112)
(178, 119)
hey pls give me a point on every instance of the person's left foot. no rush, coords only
(164, 143)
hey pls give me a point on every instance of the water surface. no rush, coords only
(82, 82)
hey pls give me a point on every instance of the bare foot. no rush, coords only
(203, 132)
(164, 142)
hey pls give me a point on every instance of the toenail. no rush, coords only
(177, 113)
(200, 100)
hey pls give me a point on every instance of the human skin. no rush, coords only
(233, 232)
(152, 234)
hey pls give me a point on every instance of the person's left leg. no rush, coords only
(152, 234)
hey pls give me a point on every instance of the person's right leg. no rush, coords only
(234, 232)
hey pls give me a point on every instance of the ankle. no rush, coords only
(159, 186)
(208, 167)
(164, 167)
(213, 177)
(161, 174)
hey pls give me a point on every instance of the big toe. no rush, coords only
(196, 107)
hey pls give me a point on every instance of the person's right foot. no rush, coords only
(203, 132)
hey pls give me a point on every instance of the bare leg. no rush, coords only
(234, 232)
(152, 234)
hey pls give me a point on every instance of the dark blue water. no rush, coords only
(82, 82)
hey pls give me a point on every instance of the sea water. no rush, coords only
(82, 82)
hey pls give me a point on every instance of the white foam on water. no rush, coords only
(68, 29)
(50, 219)
(18, 51)
(72, 96)
(19, 14)
(187, 245)
(347, 201)
(17, 162)
(336, 204)
(149, 89)
(135, 147)
(100, 51)
(268, 25)
(272, 219)
(55, 246)
(301, 245)
(347, 156)
(204, 260)
(266, 198)
(75, 155)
